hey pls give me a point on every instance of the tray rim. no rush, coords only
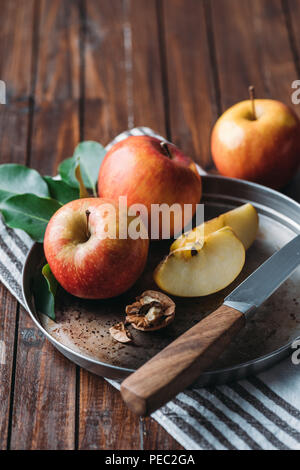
(125, 370)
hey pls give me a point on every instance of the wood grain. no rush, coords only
(291, 10)
(44, 398)
(15, 67)
(7, 329)
(15, 70)
(292, 14)
(45, 382)
(147, 67)
(256, 50)
(106, 423)
(192, 93)
(105, 82)
(56, 86)
(179, 364)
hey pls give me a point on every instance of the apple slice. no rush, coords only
(243, 220)
(198, 270)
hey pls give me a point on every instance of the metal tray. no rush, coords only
(81, 330)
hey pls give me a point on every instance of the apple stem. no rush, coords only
(252, 99)
(165, 147)
(87, 213)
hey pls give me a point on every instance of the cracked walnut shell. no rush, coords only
(120, 333)
(151, 311)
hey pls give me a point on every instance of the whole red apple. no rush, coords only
(86, 254)
(263, 147)
(148, 172)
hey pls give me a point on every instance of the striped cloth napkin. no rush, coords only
(262, 412)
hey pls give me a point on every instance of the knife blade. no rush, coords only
(261, 284)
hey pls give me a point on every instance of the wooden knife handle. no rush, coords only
(179, 364)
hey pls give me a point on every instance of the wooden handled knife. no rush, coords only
(178, 365)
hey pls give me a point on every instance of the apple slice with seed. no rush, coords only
(201, 269)
(243, 220)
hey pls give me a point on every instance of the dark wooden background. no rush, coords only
(89, 69)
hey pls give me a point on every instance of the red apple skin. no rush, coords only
(139, 168)
(95, 268)
(265, 150)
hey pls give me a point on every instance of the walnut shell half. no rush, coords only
(120, 333)
(151, 311)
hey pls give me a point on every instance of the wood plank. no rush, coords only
(119, 94)
(252, 47)
(292, 16)
(106, 423)
(101, 415)
(15, 65)
(7, 333)
(57, 90)
(127, 91)
(44, 398)
(45, 381)
(147, 69)
(193, 98)
(105, 90)
(292, 13)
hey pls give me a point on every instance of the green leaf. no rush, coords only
(18, 179)
(61, 191)
(44, 291)
(89, 155)
(66, 171)
(82, 189)
(30, 213)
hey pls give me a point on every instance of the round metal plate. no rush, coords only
(81, 331)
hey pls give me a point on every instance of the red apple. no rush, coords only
(84, 260)
(263, 147)
(148, 172)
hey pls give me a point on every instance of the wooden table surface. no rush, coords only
(89, 69)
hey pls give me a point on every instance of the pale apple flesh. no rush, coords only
(243, 220)
(86, 262)
(204, 270)
(140, 169)
(265, 150)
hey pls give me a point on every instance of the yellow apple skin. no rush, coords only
(243, 220)
(265, 150)
(205, 270)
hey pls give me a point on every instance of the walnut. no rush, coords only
(151, 311)
(120, 333)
